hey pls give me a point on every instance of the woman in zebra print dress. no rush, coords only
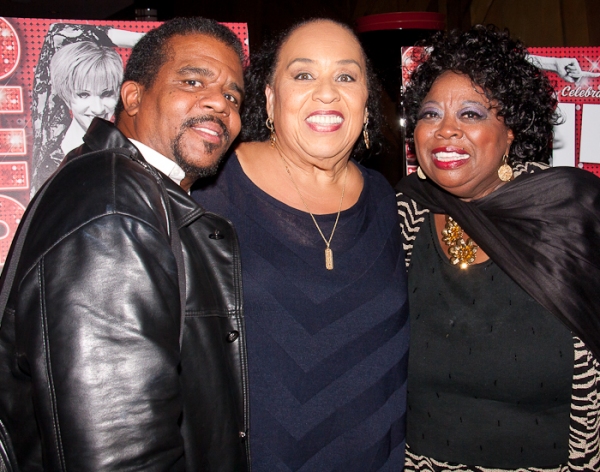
(503, 268)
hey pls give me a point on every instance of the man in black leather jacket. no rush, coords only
(122, 347)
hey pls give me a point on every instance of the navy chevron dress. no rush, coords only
(327, 350)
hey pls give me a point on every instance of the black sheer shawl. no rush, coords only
(543, 230)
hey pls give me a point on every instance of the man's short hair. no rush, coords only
(152, 51)
(85, 65)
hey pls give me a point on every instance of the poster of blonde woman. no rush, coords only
(77, 77)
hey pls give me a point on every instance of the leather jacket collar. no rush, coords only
(103, 135)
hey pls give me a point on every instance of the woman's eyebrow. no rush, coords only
(305, 60)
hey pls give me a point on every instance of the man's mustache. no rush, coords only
(191, 122)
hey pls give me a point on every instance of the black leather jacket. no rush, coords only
(95, 377)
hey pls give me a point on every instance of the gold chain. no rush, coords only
(328, 251)
(460, 252)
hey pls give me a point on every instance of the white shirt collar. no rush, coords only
(160, 162)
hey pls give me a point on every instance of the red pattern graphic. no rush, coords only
(11, 212)
(11, 100)
(10, 50)
(13, 142)
(14, 175)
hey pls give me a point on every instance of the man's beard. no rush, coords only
(186, 165)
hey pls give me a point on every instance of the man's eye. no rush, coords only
(193, 83)
(232, 99)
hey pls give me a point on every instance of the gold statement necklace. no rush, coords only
(328, 251)
(460, 252)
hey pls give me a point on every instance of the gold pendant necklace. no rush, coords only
(460, 252)
(328, 251)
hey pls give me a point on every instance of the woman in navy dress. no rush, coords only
(322, 263)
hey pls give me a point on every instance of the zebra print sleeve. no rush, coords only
(584, 450)
(411, 218)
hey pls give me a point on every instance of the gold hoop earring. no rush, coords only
(505, 172)
(271, 127)
(366, 133)
(420, 173)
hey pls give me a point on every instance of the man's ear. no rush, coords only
(131, 95)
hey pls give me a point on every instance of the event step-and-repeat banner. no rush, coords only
(55, 77)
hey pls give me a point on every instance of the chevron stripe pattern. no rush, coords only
(327, 350)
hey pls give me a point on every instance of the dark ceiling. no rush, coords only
(557, 25)
(262, 16)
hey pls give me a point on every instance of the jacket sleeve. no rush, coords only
(98, 322)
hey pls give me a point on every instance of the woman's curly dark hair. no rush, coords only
(260, 72)
(499, 65)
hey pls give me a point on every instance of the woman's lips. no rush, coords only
(325, 121)
(445, 158)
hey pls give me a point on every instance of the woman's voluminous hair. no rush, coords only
(261, 71)
(522, 94)
(85, 66)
